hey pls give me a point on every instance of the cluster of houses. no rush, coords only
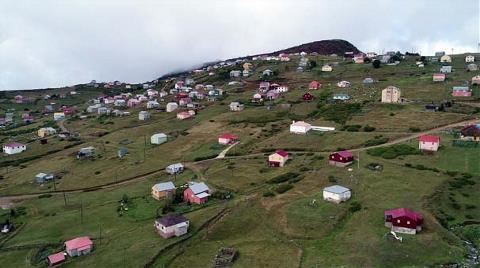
(268, 91)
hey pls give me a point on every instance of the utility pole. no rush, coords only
(358, 162)
(144, 147)
(100, 234)
(65, 198)
(81, 212)
(54, 186)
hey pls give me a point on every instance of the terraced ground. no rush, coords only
(269, 229)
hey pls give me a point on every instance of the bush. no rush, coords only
(352, 128)
(368, 128)
(268, 194)
(332, 178)
(376, 141)
(354, 207)
(393, 151)
(414, 129)
(339, 112)
(283, 178)
(283, 188)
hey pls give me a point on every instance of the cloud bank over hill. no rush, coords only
(57, 43)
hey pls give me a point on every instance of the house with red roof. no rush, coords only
(226, 139)
(277, 159)
(14, 148)
(196, 193)
(314, 85)
(340, 159)
(55, 259)
(185, 115)
(471, 132)
(307, 97)
(78, 246)
(264, 86)
(429, 143)
(171, 225)
(403, 220)
(439, 77)
(68, 110)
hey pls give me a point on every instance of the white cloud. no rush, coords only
(56, 43)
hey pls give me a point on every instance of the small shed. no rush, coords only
(78, 246)
(171, 106)
(236, 106)
(174, 168)
(341, 159)
(277, 159)
(143, 115)
(429, 143)
(44, 177)
(55, 259)
(122, 152)
(158, 138)
(336, 194)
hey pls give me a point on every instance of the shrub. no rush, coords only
(354, 207)
(368, 128)
(332, 178)
(393, 151)
(268, 194)
(414, 129)
(283, 188)
(376, 141)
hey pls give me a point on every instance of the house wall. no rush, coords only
(336, 198)
(429, 146)
(14, 150)
(277, 158)
(390, 96)
(299, 129)
(159, 195)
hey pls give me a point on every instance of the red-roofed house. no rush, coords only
(14, 148)
(55, 259)
(196, 193)
(68, 110)
(185, 115)
(227, 139)
(340, 159)
(429, 143)
(79, 246)
(307, 97)
(314, 85)
(277, 159)
(403, 220)
(439, 77)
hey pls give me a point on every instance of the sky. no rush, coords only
(61, 43)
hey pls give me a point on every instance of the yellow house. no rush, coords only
(247, 66)
(391, 94)
(163, 190)
(46, 131)
(446, 58)
(327, 68)
(278, 159)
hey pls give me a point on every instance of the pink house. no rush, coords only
(314, 85)
(264, 86)
(19, 99)
(133, 103)
(403, 220)
(227, 139)
(438, 77)
(78, 246)
(68, 110)
(55, 259)
(429, 143)
(272, 95)
(184, 101)
(196, 193)
(185, 115)
(461, 91)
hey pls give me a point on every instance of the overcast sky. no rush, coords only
(58, 43)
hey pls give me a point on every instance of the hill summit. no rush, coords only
(323, 47)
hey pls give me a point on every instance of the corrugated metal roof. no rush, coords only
(336, 189)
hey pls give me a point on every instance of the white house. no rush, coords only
(236, 106)
(267, 72)
(152, 104)
(300, 127)
(336, 194)
(470, 58)
(158, 138)
(446, 58)
(327, 68)
(171, 106)
(429, 143)
(171, 225)
(174, 168)
(143, 115)
(14, 148)
(58, 116)
(343, 84)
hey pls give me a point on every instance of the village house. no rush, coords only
(46, 131)
(336, 194)
(153, 104)
(158, 138)
(267, 72)
(78, 246)
(281, 89)
(236, 106)
(429, 143)
(470, 133)
(93, 108)
(174, 168)
(439, 53)
(391, 94)
(14, 148)
(277, 159)
(189, 81)
(472, 67)
(247, 66)
(343, 84)
(196, 193)
(143, 115)
(119, 103)
(264, 86)
(163, 190)
(272, 95)
(341, 97)
(235, 73)
(122, 152)
(307, 97)
(327, 68)
(58, 116)
(368, 80)
(341, 159)
(171, 225)
(403, 220)
(469, 58)
(257, 97)
(314, 85)
(446, 69)
(227, 139)
(300, 127)
(185, 115)
(476, 80)
(299, 69)
(445, 58)
(438, 77)
(371, 55)
(152, 93)
(179, 84)
(245, 73)
(55, 258)
(284, 57)
(359, 58)
(44, 177)
(433, 59)
(132, 103)
(461, 91)
(171, 106)
(184, 101)
(86, 152)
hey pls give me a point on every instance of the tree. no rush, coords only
(312, 64)
(376, 64)
(367, 60)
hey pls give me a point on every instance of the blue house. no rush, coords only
(341, 96)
